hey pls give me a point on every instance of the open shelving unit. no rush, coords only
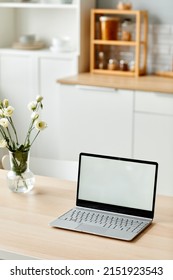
(138, 45)
(45, 19)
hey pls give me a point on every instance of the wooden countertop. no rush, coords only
(24, 229)
(142, 83)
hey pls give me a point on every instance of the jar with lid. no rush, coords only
(112, 64)
(124, 65)
(101, 58)
(132, 66)
(109, 27)
(126, 30)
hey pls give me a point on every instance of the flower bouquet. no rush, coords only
(20, 178)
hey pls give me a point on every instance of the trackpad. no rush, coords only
(91, 228)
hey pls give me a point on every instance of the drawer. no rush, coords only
(153, 102)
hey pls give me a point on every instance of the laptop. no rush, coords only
(115, 197)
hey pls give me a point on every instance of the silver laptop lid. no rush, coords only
(122, 185)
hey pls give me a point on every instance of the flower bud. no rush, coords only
(5, 103)
(32, 106)
(34, 116)
(39, 98)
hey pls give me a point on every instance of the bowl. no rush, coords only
(27, 39)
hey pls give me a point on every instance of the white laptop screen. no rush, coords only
(117, 182)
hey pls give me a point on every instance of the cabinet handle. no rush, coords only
(94, 88)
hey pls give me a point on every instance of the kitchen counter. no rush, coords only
(143, 83)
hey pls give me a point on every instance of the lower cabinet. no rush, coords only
(153, 134)
(94, 120)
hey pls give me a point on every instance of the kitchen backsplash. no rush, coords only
(160, 48)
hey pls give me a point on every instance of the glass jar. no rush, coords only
(124, 65)
(109, 27)
(132, 66)
(112, 64)
(126, 30)
(101, 60)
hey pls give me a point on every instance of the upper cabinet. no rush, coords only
(47, 20)
(119, 42)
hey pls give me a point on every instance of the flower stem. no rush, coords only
(34, 138)
(9, 134)
(11, 122)
(28, 133)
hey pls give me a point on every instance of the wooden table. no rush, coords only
(24, 229)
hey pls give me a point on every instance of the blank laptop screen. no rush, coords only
(117, 182)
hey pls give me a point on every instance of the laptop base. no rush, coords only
(111, 230)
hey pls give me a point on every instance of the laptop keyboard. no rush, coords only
(104, 220)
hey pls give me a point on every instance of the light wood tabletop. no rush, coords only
(150, 83)
(24, 228)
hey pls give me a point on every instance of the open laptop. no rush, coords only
(115, 197)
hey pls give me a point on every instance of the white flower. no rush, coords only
(40, 125)
(32, 105)
(4, 122)
(39, 98)
(34, 116)
(8, 111)
(3, 143)
(5, 103)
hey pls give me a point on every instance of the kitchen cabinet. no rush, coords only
(89, 119)
(47, 19)
(27, 73)
(153, 134)
(112, 44)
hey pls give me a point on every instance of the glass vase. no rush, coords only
(20, 178)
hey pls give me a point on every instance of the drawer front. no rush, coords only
(152, 102)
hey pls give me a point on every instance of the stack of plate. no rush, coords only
(28, 42)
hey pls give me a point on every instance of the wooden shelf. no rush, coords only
(97, 44)
(116, 43)
(114, 72)
(119, 12)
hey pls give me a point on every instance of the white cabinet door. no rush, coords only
(22, 77)
(16, 85)
(153, 138)
(51, 69)
(95, 120)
